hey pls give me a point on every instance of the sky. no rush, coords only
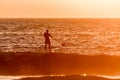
(59, 8)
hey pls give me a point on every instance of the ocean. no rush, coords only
(79, 36)
(82, 36)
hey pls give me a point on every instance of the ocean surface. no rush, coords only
(82, 36)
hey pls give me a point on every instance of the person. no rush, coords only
(47, 40)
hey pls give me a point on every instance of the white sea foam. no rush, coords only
(85, 75)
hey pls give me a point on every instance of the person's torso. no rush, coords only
(47, 35)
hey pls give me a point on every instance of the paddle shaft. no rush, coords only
(58, 41)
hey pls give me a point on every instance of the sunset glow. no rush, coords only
(60, 8)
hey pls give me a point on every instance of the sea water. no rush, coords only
(82, 36)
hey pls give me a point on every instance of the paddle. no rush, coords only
(59, 42)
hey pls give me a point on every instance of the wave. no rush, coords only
(59, 77)
(47, 63)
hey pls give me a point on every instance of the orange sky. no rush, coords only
(60, 8)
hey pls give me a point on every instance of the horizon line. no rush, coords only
(56, 18)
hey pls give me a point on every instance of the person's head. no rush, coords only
(47, 31)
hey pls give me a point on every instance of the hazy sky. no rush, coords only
(60, 8)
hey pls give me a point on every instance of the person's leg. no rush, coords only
(49, 46)
(45, 47)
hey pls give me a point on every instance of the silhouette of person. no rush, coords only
(47, 39)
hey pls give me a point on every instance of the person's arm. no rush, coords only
(50, 36)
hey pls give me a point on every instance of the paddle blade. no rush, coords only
(63, 44)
